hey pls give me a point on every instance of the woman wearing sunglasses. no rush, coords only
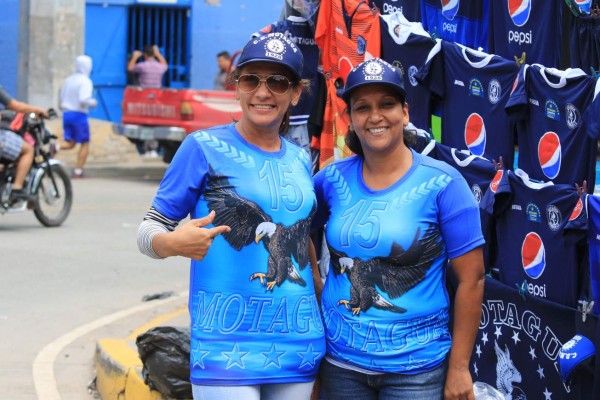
(256, 328)
(394, 219)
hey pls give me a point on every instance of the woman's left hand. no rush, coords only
(459, 385)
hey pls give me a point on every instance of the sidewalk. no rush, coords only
(106, 147)
(118, 367)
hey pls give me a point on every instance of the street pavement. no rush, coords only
(62, 289)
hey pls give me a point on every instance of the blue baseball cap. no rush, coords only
(373, 71)
(275, 48)
(574, 355)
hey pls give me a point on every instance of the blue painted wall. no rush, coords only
(9, 42)
(213, 28)
(225, 27)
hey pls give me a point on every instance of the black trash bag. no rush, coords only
(165, 353)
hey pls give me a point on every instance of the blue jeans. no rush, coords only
(280, 391)
(342, 384)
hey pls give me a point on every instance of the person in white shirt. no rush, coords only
(75, 101)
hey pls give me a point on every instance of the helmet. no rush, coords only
(373, 71)
(275, 48)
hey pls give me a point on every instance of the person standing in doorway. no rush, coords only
(223, 62)
(149, 74)
(75, 101)
(150, 71)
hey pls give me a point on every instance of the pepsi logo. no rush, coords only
(475, 137)
(584, 5)
(533, 255)
(496, 181)
(577, 210)
(549, 154)
(519, 11)
(450, 8)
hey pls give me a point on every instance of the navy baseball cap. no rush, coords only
(574, 355)
(275, 48)
(373, 71)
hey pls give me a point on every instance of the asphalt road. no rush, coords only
(56, 280)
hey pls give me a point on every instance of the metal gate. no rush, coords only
(169, 29)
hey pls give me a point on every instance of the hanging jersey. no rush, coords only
(559, 126)
(474, 88)
(388, 251)
(478, 173)
(584, 224)
(253, 310)
(532, 27)
(584, 42)
(331, 144)
(532, 253)
(411, 9)
(299, 31)
(347, 33)
(406, 45)
(459, 21)
(518, 342)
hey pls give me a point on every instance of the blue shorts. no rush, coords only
(10, 145)
(76, 127)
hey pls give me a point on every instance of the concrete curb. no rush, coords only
(119, 372)
(118, 366)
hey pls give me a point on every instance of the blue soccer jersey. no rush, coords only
(585, 219)
(299, 31)
(532, 27)
(558, 124)
(532, 252)
(460, 21)
(474, 88)
(518, 343)
(410, 8)
(406, 45)
(254, 314)
(584, 42)
(478, 173)
(385, 304)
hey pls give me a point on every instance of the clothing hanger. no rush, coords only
(434, 35)
(521, 60)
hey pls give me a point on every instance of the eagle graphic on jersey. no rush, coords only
(395, 274)
(248, 222)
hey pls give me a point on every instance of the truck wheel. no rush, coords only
(169, 149)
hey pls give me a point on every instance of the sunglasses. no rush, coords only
(277, 84)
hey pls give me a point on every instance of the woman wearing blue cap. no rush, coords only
(256, 328)
(393, 219)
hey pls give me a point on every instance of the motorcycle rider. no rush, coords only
(14, 148)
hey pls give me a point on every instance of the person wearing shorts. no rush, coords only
(75, 101)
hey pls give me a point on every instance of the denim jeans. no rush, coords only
(280, 391)
(342, 384)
